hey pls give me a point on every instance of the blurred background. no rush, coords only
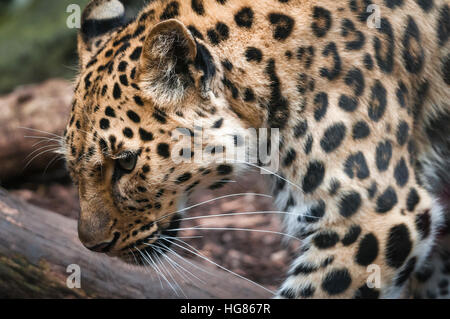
(36, 44)
(38, 63)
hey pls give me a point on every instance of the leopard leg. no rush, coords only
(432, 280)
(371, 256)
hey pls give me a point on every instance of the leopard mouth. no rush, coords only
(142, 251)
(146, 253)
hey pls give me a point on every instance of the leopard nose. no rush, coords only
(105, 246)
(94, 231)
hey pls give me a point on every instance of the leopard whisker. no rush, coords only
(199, 227)
(45, 138)
(55, 159)
(247, 213)
(184, 259)
(151, 264)
(176, 267)
(268, 171)
(160, 271)
(209, 201)
(176, 272)
(42, 139)
(134, 256)
(188, 237)
(40, 131)
(38, 149)
(169, 250)
(166, 270)
(39, 154)
(194, 252)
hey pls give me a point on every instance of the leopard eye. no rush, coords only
(127, 162)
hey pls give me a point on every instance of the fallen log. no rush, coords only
(38, 108)
(37, 246)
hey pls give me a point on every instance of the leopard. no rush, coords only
(358, 91)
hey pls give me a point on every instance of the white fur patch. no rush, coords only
(107, 10)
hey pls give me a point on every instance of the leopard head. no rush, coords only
(145, 90)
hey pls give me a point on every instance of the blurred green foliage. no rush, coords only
(35, 42)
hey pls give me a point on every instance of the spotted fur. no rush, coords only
(363, 115)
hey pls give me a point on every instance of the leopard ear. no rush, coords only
(164, 71)
(99, 18)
